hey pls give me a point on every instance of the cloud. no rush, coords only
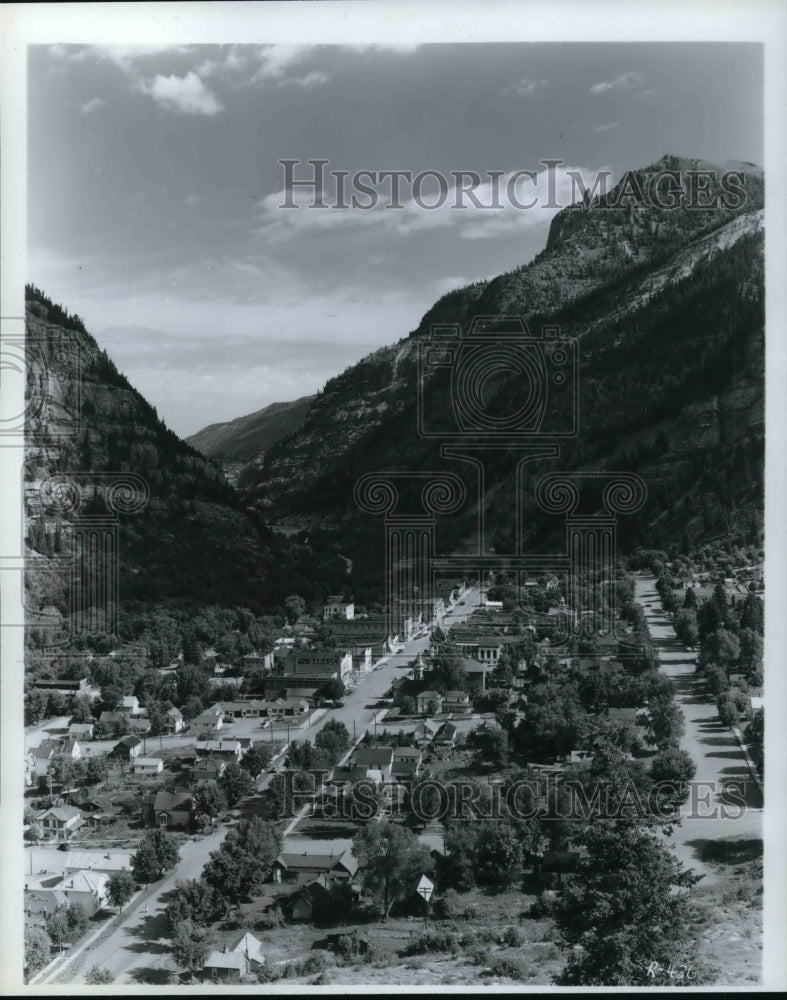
(457, 210)
(525, 87)
(183, 94)
(605, 128)
(314, 79)
(646, 93)
(626, 81)
(92, 105)
(273, 61)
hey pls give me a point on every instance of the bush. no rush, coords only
(98, 977)
(512, 937)
(429, 942)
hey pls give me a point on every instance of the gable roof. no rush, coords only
(373, 756)
(166, 801)
(226, 960)
(249, 944)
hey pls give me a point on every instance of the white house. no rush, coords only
(148, 767)
(174, 722)
(335, 607)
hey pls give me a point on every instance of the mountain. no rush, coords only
(666, 305)
(246, 439)
(97, 449)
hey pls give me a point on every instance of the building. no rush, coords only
(148, 767)
(241, 959)
(429, 702)
(173, 809)
(208, 723)
(129, 748)
(60, 822)
(81, 730)
(304, 867)
(337, 607)
(378, 762)
(228, 750)
(88, 890)
(174, 721)
(456, 701)
(327, 665)
(258, 661)
(64, 686)
(207, 769)
(406, 764)
(108, 862)
(131, 706)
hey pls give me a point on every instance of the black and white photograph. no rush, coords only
(393, 547)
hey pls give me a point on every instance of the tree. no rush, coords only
(491, 746)
(716, 679)
(753, 614)
(665, 722)
(120, 889)
(626, 909)
(709, 619)
(722, 647)
(448, 674)
(690, 600)
(390, 858)
(145, 863)
(294, 606)
(209, 800)
(236, 783)
(243, 862)
(334, 689)
(333, 738)
(38, 949)
(500, 855)
(755, 734)
(751, 650)
(99, 977)
(676, 767)
(57, 926)
(257, 758)
(686, 627)
(194, 900)
(189, 945)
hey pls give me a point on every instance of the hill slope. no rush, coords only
(184, 534)
(667, 306)
(246, 439)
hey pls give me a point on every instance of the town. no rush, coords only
(224, 829)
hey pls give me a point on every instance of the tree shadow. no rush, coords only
(150, 929)
(148, 948)
(728, 754)
(727, 851)
(151, 976)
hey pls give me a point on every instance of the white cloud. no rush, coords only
(626, 81)
(274, 60)
(525, 87)
(606, 128)
(92, 105)
(184, 94)
(313, 79)
(646, 93)
(523, 203)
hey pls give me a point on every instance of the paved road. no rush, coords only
(713, 748)
(136, 949)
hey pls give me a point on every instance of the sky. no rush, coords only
(154, 188)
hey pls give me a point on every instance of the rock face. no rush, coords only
(96, 449)
(667, 309)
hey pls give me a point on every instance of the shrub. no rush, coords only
(98, 977)
(512, 937)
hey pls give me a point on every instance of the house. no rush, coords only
(477, 673)
(305, 867)
(406, 764)
(377, 761)
(317, 664)
(429, 702)
(251, 949)
(69, 748)
(446, 736)
(424, 731)
(98, 809)
(86, 889)
(129, 748)
(256, 661)
(336, 607)
(207, 769)
(456, 701)
(148, 767)
(81, 730)
(173, 809)
(174, 721)
(59, 822)
(130, 706)
(224, 965)
(41, 757)
(228, 750)
(208, 723)
(108, 862)
(138, 723)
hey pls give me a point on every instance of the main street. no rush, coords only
(135, 947)
(712, 746)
